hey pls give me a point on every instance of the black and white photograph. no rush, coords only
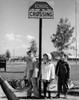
(39, 49)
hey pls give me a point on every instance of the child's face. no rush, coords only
(62, 57)
(45, 58)
(29, 54)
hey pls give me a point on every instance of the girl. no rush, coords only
(48, 72)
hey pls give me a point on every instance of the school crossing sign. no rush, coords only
(41, 10)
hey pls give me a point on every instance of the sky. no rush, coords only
(17, 30)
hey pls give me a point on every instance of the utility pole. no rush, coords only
(76, 27)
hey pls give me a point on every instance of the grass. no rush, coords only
(13, 71)
(16, 70)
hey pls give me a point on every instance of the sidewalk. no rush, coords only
(73, 94)
(22, 96)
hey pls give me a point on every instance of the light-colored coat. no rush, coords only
(48, 71)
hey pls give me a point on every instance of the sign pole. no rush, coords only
(40, 10)
(40, 52)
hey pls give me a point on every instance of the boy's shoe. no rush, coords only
(28, 97)
(49, 97)
(35, 98)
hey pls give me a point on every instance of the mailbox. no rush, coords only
(3, 64)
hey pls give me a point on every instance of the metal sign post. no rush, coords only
(40, 10)
(40, 53)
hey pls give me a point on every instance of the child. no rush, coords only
(48, 73)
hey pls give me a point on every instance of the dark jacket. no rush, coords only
(62, 69)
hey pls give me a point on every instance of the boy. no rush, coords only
(62, 72)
